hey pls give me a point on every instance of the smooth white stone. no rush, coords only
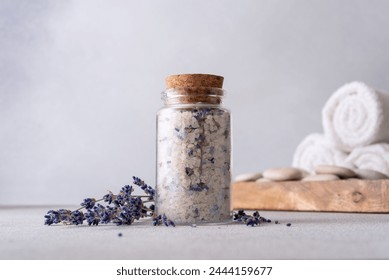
(339, 171)
(283, 174)
(368, 174)
(248, 177)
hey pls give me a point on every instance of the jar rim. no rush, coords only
(186, 95)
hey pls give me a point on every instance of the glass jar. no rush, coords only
(193, 151)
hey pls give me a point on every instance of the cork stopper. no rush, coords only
(194, 80)
(193, 88)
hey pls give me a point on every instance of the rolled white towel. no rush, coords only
(356, 116)
(315, 150)
(374, 157)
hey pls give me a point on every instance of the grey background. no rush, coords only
(80, 82)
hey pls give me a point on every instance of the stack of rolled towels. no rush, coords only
(356, 132)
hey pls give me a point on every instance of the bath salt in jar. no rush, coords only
(193, 150)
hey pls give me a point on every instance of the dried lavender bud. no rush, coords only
(92, 218)
(109, 197)
(171, 223)
(120, 234)
(147, 189)
(88, 203)
(127, 190)
(240, 216)
(252, 221)
(189, 171)
(164, 220)
(198, 187)
(157, 220)
(201, 114)
(52, 217)
(55, 217)
(288, 224)
(125, 217)
(137, 181)
(119, 200)
(108, 214)
(98, 209)
(77, 217)
(64, 214)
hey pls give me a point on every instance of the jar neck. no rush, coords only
(193, 95)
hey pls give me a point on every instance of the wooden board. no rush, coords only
(351, 195)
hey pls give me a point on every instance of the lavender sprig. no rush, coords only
(123, 209)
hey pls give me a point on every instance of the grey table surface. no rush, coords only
(311, 236)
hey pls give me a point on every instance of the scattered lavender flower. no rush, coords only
(250, 220)
(163, 220)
